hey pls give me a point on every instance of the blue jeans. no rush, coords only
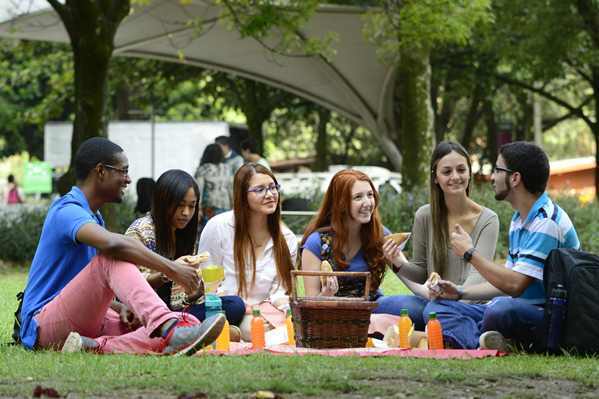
(393, 305)
(514, 318)
(233, 306)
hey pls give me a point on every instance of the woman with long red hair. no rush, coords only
(253, 245)
(348, 233)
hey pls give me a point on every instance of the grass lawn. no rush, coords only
(84, 375)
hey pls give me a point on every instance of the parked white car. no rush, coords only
(307, 184)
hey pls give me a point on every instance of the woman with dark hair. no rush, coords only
(450, 204)
(254, 246)
(346, 232)
(214, 180)
(171, 230)
(145, 190)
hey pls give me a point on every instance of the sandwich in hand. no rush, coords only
(399, 238)
(433, 282)
(325, 266)
(195, 260)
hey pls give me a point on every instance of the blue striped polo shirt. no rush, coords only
(546, 227)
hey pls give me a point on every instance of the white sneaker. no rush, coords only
(493, 340)
(73, 343)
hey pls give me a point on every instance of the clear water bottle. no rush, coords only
(213, 305)
(557, 314)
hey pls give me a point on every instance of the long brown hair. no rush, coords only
(243, 243)
(170, 190)
(438, 207)
(333, 214)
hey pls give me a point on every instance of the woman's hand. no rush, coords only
(393, 253)
(330, 287)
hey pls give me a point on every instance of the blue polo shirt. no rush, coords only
(59, 257)
(546, 227)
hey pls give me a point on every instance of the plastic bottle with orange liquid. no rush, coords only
(223, 342)
(257, 330)
(290, 330)
(405, 329)
(434, 332)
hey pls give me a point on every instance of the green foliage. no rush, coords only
(36, 85)
(20, 229)
(21, 226)
(423, 24)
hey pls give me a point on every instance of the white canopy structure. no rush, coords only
(352, 81)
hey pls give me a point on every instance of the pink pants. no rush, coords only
(84, 306)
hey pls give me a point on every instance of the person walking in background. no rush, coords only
(215, 182)
(232, 159)
(145, 191)
(254, 246)
(79, 268)
(449, 204)
(249, 152)
(171, 229)
(13, 195)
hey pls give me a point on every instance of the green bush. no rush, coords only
(21, 226)
(20, 229)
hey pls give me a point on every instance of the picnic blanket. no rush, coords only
(243, 349)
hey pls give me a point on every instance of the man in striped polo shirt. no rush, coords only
(538, 225)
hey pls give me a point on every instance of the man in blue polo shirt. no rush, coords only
(538, 225)
(79, 268)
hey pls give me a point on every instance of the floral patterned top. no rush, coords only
(143, 229)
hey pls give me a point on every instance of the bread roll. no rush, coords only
(433, 281)
(325, 266)
(398, 238)
(195, 260)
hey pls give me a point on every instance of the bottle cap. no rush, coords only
(288, 313)
(403, 312)
(256, 312)
(432, 315)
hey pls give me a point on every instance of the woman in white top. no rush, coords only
(253, 245)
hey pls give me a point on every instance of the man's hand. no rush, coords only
(448, 290)
(185, 275)
(460, 241)
(128, 317)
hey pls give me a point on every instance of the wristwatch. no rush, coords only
(468, 254)
(395, 268)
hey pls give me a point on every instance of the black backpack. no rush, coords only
(578, 273)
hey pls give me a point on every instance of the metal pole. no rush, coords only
(153, 140)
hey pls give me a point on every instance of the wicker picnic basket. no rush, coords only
(331, 322)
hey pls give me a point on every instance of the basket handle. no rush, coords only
(295, 273)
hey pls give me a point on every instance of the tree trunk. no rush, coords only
(414, 117)
(257, 107)
(595, 126)
(491, 131)
(472, 117)
(91, 28)
(321, 163)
